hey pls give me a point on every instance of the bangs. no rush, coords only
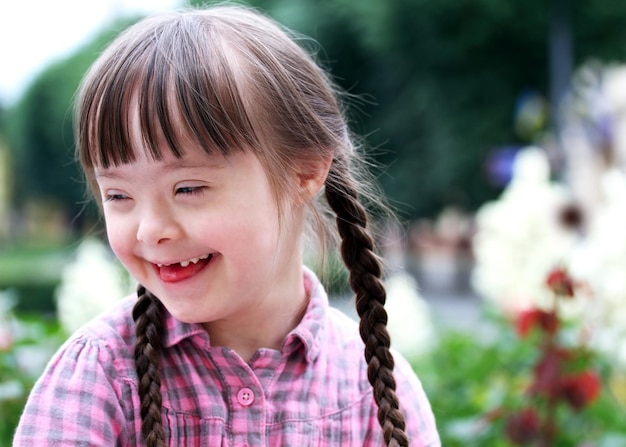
(160, 90)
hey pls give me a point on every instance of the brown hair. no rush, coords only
(236, 80)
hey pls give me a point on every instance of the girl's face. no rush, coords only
(202, 233)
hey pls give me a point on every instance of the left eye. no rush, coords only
(190, 190)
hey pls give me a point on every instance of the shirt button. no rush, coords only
(245, 397)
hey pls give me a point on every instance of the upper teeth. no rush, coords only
(186, 263)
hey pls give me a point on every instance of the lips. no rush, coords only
(182, 270)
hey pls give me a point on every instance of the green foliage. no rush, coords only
(39, 132)
(441, 80)
(43, 147)
(438, 80)
(21, 363)
(34, 291)
(471, 381)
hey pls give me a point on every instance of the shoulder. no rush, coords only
(344, 343)
(113, 330)
(420, 420)
(85, 392)
(104, 343)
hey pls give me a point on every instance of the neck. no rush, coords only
(267, 324)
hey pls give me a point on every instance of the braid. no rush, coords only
(365, 279)
(148, 316)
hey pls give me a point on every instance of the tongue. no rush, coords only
(176, 272)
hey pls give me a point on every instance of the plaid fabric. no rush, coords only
(313, 393)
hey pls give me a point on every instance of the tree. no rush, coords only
(445, 77)
(40, 134)
(438, 80)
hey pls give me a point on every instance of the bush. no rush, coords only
(32, 274)
(26, 344)
(473, 382)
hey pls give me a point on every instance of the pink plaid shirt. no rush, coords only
(314, 392)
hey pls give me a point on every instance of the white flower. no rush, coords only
(89, 285)
(409, 321)
(519, 241)
(601, 262)
(518, 238)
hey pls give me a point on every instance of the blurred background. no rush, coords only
(498, 132)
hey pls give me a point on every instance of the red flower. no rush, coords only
(560, 282)
(530, 318)
(547, 373)
(522, 428)
(581, 389)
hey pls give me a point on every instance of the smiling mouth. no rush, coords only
(180, 271)
(186, 263)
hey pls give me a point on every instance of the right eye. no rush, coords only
(115, 197)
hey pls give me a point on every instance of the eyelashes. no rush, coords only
(191, 190)
(184, 191)
(115, 198)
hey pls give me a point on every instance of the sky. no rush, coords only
(34, 33)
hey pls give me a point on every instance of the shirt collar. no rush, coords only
(178, 331)
(308, 334)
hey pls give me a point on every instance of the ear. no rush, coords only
(312, 177)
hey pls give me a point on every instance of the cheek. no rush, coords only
(240, 234)
(268, 233)
(118, 239)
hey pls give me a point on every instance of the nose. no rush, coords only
(158, 225)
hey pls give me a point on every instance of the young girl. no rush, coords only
(206, 137)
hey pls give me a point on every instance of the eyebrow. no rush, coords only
(107, 173)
